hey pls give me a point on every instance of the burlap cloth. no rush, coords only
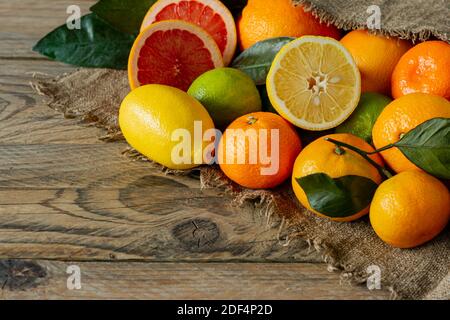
(420, 273)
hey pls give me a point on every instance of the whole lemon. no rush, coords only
(410, 209)
(159, 122)
(227, 94)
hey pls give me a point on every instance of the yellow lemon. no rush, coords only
(166, 125)
(314, 83)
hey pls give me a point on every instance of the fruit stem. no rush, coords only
(383, 171)
(339, 151)
(389, 146)
(252, 120)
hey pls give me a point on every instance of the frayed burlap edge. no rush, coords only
(326, 17)
(211, 178)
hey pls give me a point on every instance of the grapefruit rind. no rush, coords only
(217, 6)
(167, 25)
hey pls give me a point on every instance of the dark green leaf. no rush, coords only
(428, 147)
(340, 197)
(124, 15)
(256, 60)
(96, 44)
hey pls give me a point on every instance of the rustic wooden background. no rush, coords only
(68, 198)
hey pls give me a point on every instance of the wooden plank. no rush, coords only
(24, 116)
(48, 280)
(86, 202)
(65, 195)
(23, 23)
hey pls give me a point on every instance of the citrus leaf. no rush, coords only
(428, 147)
(95, 44)
(124, 15)
(340, 197)
(256, 60)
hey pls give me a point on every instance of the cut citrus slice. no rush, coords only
(173, 53)
(314, 83)
(210, 15)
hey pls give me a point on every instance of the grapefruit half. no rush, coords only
(172, 53)
(211, 15)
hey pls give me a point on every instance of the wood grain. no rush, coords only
(66, 196)
(24, 22)
(182, 281)
(86, 202)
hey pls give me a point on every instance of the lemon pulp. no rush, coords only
(314, 83)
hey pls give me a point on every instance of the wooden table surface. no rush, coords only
(66, 198)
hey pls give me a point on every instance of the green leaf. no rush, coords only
(256, 60)
(340, 197)
(96, 44)
(124, 15)
(127, 15)
(428, 147)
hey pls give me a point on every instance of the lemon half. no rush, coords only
(314, 83)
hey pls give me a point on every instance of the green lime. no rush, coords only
(227, 94)
(363, 118)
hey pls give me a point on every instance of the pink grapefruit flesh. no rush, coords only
(211, 15)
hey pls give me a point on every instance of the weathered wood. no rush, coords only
(65, 195)
(26, 21)
(180, 281)
(87, 202)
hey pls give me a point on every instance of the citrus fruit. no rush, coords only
(172, 53)
(362, 120)
(258, 150)
(322, 156)
(314, 83)
(401, 116)
(227, 94)
(410, 209)
(211, 15)
(376, 57)
(424, 68)
(262, 19)
(151, 114)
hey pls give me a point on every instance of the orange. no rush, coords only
(424, 68)
(322, 156)
(262, 19)
(410, 209)
(211, 15)
(376, 57)
(172, 53)
(401, 116)
(258, 150)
